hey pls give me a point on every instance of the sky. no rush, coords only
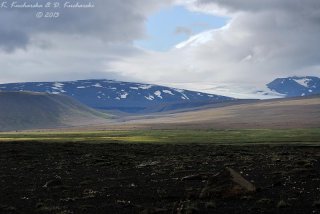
(174, 24)
(190, 43)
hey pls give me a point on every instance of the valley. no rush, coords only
(204, 154)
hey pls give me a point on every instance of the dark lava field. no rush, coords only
(68, 178)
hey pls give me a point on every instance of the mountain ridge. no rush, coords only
(296, 86)
(116, 95)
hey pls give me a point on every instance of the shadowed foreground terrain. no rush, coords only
(38, 177)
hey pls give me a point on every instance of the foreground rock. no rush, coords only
(228, 183)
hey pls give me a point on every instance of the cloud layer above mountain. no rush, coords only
(263, 40)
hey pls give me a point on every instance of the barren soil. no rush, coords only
(150, 178)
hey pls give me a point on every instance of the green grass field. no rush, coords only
(252, 136)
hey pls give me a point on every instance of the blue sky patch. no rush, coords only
(173, 25)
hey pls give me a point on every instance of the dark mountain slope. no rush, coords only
(29, 110)
(296, 86)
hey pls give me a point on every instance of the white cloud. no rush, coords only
(263, 40)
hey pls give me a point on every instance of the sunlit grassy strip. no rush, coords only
(136, 139)
(173, 136)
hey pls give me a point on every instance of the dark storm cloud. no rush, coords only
(111, 21)
(79, 44)
(11, 40)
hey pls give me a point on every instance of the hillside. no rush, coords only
(28, 110)
(119, 96)
(277, 113)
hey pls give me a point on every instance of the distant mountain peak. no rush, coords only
(296, 86)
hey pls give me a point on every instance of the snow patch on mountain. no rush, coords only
(150, 97)
(167, 92)
(57, 85)
(186, 97)
(179, 90)
(158, 94)
(97, 85)
(124, 95)
(145, 87)
(304, 81)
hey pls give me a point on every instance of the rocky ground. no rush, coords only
(145, 178)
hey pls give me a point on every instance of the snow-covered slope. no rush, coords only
(109, 94)
(278, 88)
(296, 86)
(236, 90)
